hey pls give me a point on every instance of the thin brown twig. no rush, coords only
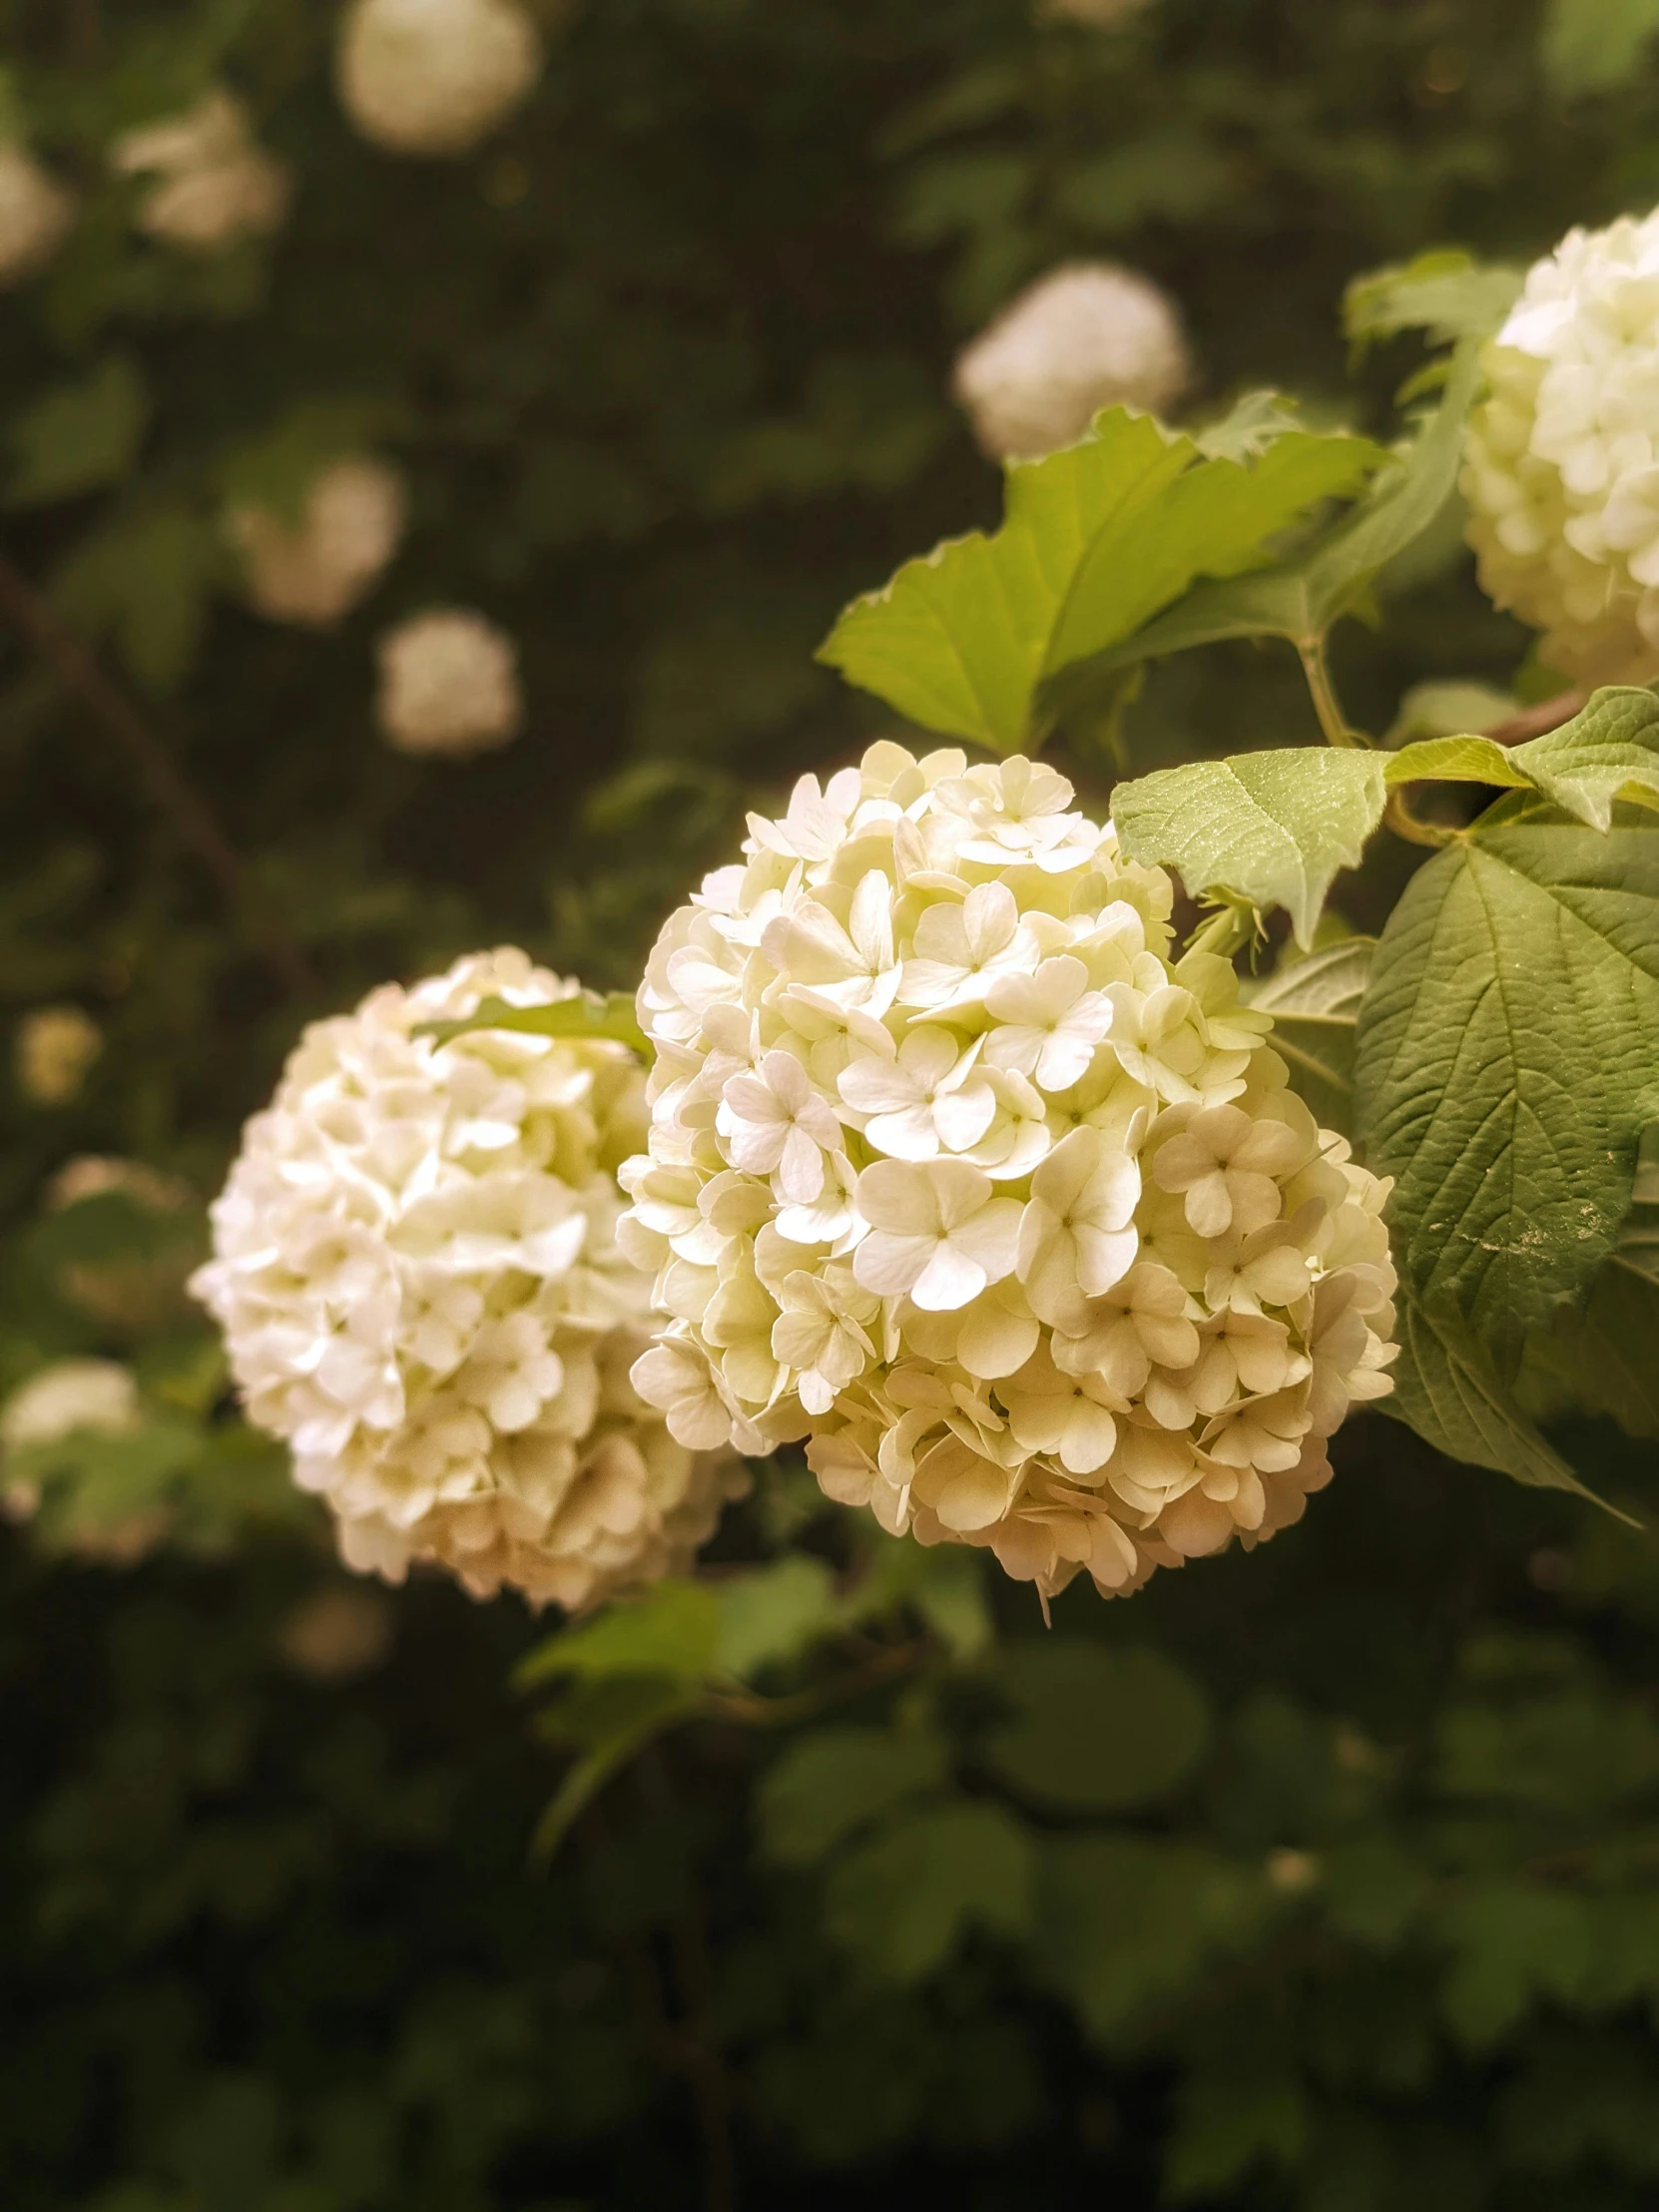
(78, 671)
(1539, 721)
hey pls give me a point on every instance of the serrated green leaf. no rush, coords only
(1509, 1061)
(585, 1014)
(831, 1783)
(1097, 1730)
(1315, 1004)
(1301, 597)
(1607, 751)
(1605, 1355)
(1591, 45)
(1447, 294)
(1098, 537)
(1446, 1388)
(1271, 828)
(673, 1632)
(900, 1903)
(79, 437)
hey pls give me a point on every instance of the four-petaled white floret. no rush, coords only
(1085, 337)
(416, 1271)
(954, 1173)
(1561, 467)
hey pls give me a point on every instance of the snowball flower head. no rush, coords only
(56, 1048)
(416, 1271)
(448, 685)
(435, 76)
(955, 1174)
(35, 213)
(1561, 468)
(314, 568)
(1085, 337)
(214, 183)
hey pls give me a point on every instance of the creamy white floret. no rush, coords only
(434, 77)
(954, 1173)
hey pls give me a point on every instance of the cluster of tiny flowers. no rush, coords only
(56, 1049)
(448, 685)
(416, 1271)
(434, 77)
(1085, 337)
(213, 181)
(316, 568)
(953, 1174)
(1561, 467)
(35, 211)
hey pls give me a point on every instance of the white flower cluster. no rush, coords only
(1085, 337)
(435, 76)
(952, 1172)
(214, 184)
(35, 211)
(417, 1277)
(1563, 458)
(314, 569)
(448, 685)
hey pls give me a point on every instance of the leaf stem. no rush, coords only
(78, 671)
(1398, 817)
(1336, 724)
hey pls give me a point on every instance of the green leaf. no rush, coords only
(1315, 1004)
(1301, 597)
(1592, 44)
(775, 1613)
(901, 1904)
(1098, 1730)
(1605, 1355)
(80, 436)
(278, 470)
(1607, 751)
(585, 1014)
(1446, 1388)
(1462, 760)
(831, 1783)
(674, 1631)
(148, 576)
(1271, 827)
(612, 1720)
(1508, 1061)
(1098, 537)
(1447, 294)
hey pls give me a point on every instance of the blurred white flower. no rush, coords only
(953, 1174)
(213, 181)
(1085, 337)
(70, 1395)
(434, 76)
(56, 1048)
(314, 568)
(1561, 461)
(448, 685)
(337, 1634)
(418, 1276)
(35, 211)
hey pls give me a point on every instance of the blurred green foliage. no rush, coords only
(1340, 1892)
